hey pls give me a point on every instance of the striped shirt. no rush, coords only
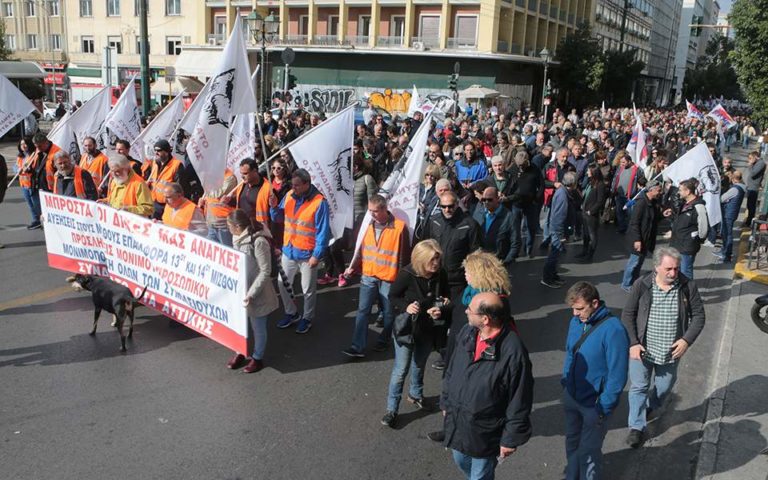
(661, 332)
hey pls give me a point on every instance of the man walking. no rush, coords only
(641, 233)
(690, 226)
(385, 249)
(94, 162)
(71, 180)
(594, 375)
(127, 190)
(731, 203)
(495, 221)
(165, 170)
(559, 218)
(664, 314)
(305, 241)
(488, 378)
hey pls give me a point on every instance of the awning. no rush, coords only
(161, 86)
(11, 69)
(198, 62)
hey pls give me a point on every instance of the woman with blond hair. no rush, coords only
(419, 296)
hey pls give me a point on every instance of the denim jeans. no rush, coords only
(531, 225)
(632, 270)
(545, 224)
(371, 290)
(516, 231)
(644, 393)
(550, 265)
(727, 232)
(259, 331)
(33, 201)
(221, 235)
(584, 435)
(475, 468)
(622, 216)
(686, 265)
(407, 358)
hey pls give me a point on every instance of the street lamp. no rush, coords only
(260, 28)
(545, 57)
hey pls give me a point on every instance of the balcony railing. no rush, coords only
(502, 46)
(462, 43)
(215, 39)
(325, 40)
(428, 42)
(516, 49)
(293, 40)
(390, 42)
(361, 40)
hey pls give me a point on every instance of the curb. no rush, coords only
(741, 269)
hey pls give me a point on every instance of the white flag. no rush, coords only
(638, 146)
(229, 93)
(88, 120)
(161, 127)
(63, 137)
(124, 121)
(698, 163)
(14, 105)
(326, 153)
(413, 105)
(242, 140)
(193, 112)
(402, 186)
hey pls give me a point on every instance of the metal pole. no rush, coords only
(544, 89)
(263, 63)
(144, 41)
(623, 24)
(53, 54)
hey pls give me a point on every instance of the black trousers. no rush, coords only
(590, 232)
(751, 205)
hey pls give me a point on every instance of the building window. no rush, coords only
(333, 25)
(53, 8)
(429, 27)
(86, 8)
(31, 42)
(172, 45)
(466, 30)
(137, 7)
(10, 42)
(87, 45)
(363, 25)
(303, 24)
(115, 42)
(173, 7)
(55, 42)
(30, 9)
(113, 8)
(7, 9)
(397, 26)
(138, 45)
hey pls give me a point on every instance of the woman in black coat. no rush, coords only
(594, 199)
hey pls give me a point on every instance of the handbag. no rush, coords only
(609, 211)
(402, 329)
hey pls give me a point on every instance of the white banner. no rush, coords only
(190, 279)
(698, 163)
(88, 120)
(326, 153)
(193, 112)
(63, 137)
(242, 140)
(14, 105)
(230, 93)
(124, 121)
(162, 127)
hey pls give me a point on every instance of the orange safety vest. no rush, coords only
(25, 179)
(79, 185)
(131, 189)
(215, 206)
(300, 228)
(262, 201)
(50, 170)
(380, 260)
(160, 180)
(179, 217)
(146, 168)
(95, 168)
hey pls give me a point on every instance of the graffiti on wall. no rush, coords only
(322, 99)
(396, 103)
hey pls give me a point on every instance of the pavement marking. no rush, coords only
(35, 297)
(741, 264)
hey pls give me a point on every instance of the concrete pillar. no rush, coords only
(410, 13)
(312, 27)
(445, 24)
(284, 14)
(373, 32)
(488, 25)
(343, 20)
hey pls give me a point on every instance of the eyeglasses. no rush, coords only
(277, 167)
(448, 207)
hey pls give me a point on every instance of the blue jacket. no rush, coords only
(495, 238)
(471, 173)
(322, 224)
(558, 211)
(596, 375)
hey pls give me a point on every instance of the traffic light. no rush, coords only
(291, 81)
(453, 81)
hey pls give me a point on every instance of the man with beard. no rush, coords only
(127, 190)
(165, 170)
(94, 162)
(71, 180)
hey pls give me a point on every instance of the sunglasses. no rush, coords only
(448, 207)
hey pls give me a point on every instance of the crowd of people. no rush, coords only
(494, 183)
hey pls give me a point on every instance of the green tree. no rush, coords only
(5, 53)
(749, 18)
(714, 74)
(620, 69)
(580, 71)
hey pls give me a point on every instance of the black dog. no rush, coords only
(108, 295)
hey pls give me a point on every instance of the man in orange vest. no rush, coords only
(165, 170)
(123, 147)
(43, 162)
(385, 249)
(305, 242)
(252, 195)
(95, 163)
(181, 213)
(71, 180)
(127, 191)
(217, 210)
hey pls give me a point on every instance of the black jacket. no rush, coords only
(409, 287)
(594, 201)
(690, 318)
(458, 237)
(487, 403)
(527, 187)
(685, 234)
(3, 177)
(643, 225)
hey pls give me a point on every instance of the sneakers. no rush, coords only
(303, 326)
(288, 320)
(253, 366)
(418, 403)
(554, 283)
(353, 352)
(636, 438)
(343, 282)
(709, 244)
(326, 280)
(438, 364)
(438, 436)
(389, 419)
(34, 226)
(236, 361)
(379, 323)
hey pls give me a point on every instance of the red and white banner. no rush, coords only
(190, 279)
